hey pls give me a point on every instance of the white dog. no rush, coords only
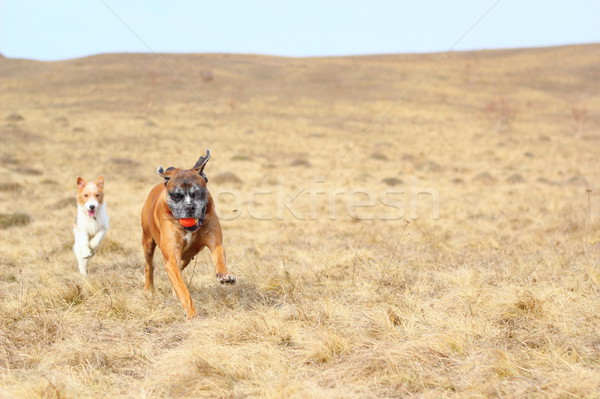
(92, 221)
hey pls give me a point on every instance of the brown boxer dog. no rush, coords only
(168, 208)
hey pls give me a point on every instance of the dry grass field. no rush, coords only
(497, 297)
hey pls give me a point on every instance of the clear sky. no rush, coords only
(61, 29)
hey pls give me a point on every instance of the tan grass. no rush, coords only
(498, 298)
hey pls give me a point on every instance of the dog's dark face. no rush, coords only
(187, 196)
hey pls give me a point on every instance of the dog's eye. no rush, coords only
(176, 196)
(97, 195)
(85, 195)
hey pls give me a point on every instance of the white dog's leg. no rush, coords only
(82, 244)
(82, 250)
(96, 240)
(82, 265)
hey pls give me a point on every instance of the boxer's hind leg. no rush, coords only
(184, 263)
(149, 246)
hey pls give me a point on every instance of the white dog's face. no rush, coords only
(90, 195)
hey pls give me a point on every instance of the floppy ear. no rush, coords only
(80, 183)
(100, 183)
(165, 174)
(201, 163)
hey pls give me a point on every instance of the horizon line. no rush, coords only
(366, 54)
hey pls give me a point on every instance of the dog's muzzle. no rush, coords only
(198, 223)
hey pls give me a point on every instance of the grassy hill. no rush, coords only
(417, 225)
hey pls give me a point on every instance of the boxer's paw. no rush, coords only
(226, 278)
(191, 314)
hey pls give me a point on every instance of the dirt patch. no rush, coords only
(7, 159)
(14, 133)
(301, 162)
(14, 219)
(226, 177)
(10, 187)
(429, 166)
(62, 121)
(240, 157)
(124, 162)
(50, 182)
(14, 118)
(515, 178)
(379, 156)
(577, 181)
(392, 181)
(24, 170)
(65, 202)
(484, 177)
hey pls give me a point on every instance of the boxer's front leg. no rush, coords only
(217, 255)
(172, 261)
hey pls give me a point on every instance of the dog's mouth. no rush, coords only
(192, 224)
(91, 212)
(188, 222)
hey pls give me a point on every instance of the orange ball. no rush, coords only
(187, 222)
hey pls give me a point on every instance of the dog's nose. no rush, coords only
(190, 208)
(92, 207)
